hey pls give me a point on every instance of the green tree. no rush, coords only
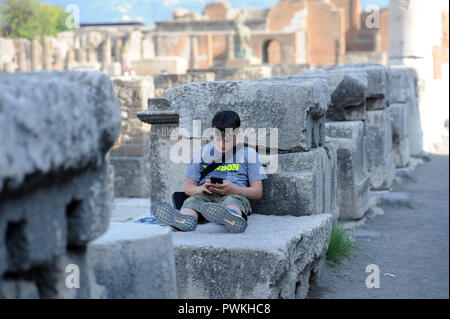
(29, 18)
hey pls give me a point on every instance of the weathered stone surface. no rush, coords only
(197, 102)
(68, 214)
(348, 92)
(352, 178)
(87, 214)
(291, 193)
(404, 90)
(61, 138)
(172, 80)
(131, 148)
(380, 156)
(132, 176)
(135, 261)
(288, 69)
(55, 190)
(275, 257)
(400, 141)
(166, 176)
(297, 109)
(303, 184)
(54, 282)
(331, 198)
(133, 92)
(379, 82)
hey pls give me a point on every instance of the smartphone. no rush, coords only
(215, 180)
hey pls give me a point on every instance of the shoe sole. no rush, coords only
(218, 214)
(170, 216)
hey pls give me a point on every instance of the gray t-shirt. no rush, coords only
(244, 168)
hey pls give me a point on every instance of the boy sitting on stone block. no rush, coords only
(221, 178)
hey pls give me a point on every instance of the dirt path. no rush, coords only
(410, 246)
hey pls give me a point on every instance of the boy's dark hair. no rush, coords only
(226, 119)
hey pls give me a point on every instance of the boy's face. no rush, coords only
(224, 142)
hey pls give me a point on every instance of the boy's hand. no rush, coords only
(226, 188)
(205, 188)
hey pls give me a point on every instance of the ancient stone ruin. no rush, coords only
(55, 184)
(327, 138)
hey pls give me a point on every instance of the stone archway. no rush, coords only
(271, 52)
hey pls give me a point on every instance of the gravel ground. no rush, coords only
(410, 246)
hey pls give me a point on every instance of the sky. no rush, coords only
(149, 11)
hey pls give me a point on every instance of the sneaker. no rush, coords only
(170, 216)
(221, 215)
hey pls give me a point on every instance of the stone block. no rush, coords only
(293, 193)
(352, 177)
(55, 282)
(380, 155)
(133, 92)
(393, 199)
(275, 257)
(297, 110)
(302, 185)
(348, 92)
(129, 155)
(400, 141)
(331, 187)
(379, 82)
(135, 261)
(55, 191)
(113, 69)
(90, 209)
(160, 64)
(62, 138)
(131, 176)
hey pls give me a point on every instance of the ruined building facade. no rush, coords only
(315, 32)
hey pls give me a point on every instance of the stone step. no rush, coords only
(134, 261)
(275, 257)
